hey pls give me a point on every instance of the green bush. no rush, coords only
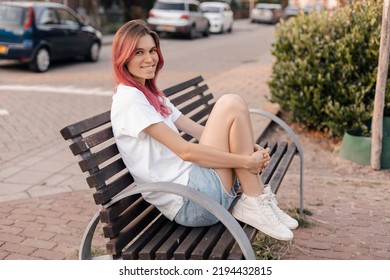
(326, 67)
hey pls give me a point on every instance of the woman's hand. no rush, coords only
(262, 159)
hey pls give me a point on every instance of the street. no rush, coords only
(34, 107)
(183, 59)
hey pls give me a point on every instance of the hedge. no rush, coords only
(326, 67)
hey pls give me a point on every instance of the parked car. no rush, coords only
(178, 17)
(220, 16)
(312, 7)
(38, 33)
(267, 13)
(291, 11)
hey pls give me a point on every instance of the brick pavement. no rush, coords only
(45, 204)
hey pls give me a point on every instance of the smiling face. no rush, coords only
(144, 62)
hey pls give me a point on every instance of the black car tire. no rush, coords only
(41, 60)
(206, 33)
(192, 33)
(94, 51)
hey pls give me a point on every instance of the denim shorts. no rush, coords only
(207, 181)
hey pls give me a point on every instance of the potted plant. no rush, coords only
(356, 145)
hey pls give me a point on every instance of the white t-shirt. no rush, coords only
(147, 159)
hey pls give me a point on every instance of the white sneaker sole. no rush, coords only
(264, 229)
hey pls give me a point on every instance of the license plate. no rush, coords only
(4, 49)
(166, 28)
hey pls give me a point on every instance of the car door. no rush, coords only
(76, 40)
(196, 14)
(50, 32)
(227, 17)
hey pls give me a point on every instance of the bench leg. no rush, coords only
(285, 126)
(85, 252)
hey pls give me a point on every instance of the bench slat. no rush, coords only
(91, 141)
(206, 245)
(236, 253)
(282, 167)
(197, 91)
(108, 215)
(149, 251)
(113, 228)
(183, 252)
(86, 125)
(94, 160)
(165, 252)
(99, 178)
(275, 159)
(196, 104)
(107, 192)
(132, 252)
(182, 86)
(114, 246)
(223, 246)
(202, 113)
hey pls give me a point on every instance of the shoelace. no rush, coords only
(271, 197)
(266, 205)
(273, 203)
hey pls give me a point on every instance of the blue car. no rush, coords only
(39, 33)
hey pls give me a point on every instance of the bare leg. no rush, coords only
(229, 128)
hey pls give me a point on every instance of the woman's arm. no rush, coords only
(190, 127)
(204, 155)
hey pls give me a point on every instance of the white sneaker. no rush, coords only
(285, 219)
(257, 212)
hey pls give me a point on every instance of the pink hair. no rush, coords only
(123, 48)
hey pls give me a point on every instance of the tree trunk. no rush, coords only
(379, 102)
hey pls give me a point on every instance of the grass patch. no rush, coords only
(95, 252)
(268, 248)
(302, 221)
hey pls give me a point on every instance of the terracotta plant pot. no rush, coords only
(357, 148)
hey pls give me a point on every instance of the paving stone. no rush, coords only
(12, 188)
(28, 177)
(37, 243)
(48, 254)
(18, 248)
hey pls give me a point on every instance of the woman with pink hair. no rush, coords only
(146, 128)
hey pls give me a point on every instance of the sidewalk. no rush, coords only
(45, 203)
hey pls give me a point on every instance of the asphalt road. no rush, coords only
(206, 56)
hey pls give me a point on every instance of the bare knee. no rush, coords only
(232, 103)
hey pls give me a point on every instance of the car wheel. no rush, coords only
(230, 29)
(192, 33)
(206, 32)
(41, 61)
(94, 50)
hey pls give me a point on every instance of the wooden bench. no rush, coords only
(137, 230)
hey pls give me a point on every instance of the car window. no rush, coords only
(170, 6)
(210, 9)
(12, 15)
(193, 8)
(48, 16)
(66, 18)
